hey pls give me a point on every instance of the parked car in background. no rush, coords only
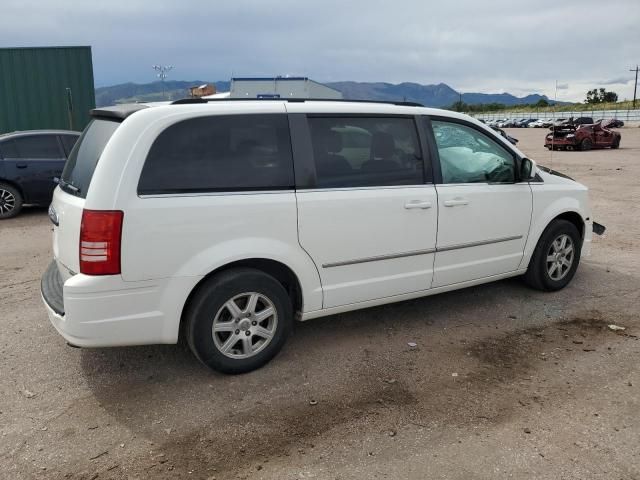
(611, 123)
(508, 123)
(29, 162)
(512, 140)
(581, 137)
(541, 123)
(527, 122)
(223, 222)
(582, 121)
(497, 122)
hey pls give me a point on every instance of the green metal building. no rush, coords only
(45, 87)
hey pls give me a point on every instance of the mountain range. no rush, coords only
(440, 95)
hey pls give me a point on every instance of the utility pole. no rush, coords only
(635, 85)
(162, 74)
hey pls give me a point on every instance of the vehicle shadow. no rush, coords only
(170, 371)
(26, 215)
(353, 364)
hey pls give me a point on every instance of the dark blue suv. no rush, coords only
(29, 161)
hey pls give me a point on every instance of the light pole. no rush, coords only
(635, 85)
(162, 74)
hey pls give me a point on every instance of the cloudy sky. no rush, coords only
(511, 46)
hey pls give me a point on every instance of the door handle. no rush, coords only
(417, 204)
(455, 202)
(21, 165)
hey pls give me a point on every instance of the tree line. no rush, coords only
(593, 97)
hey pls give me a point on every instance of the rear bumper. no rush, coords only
(106, 311)
(560, 142)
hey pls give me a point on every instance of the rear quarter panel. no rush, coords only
(191, 235)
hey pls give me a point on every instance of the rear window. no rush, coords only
(220, 153)
(84, 156)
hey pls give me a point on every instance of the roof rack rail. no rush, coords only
(184, 101)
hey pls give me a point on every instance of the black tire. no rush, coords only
(208, 304)
(616, 143)
(537, 275)
(586, 145)
(10, 201)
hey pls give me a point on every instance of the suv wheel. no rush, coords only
(555, 258)
(616, 143)
(10, 201)
(238, 320)
(586, 144)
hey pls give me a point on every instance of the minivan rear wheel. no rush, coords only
(10, 201)
(238, 320)
(555, 259)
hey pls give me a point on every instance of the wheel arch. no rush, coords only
(278, 270)
(14, 185)
(572, 217)
(569, 212)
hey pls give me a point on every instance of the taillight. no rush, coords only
(100, 234)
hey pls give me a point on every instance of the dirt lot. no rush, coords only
(505, 382)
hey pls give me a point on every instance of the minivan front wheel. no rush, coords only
(238, 320)
(10, 201)
(555, 259)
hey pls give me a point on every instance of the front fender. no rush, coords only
(550, 204)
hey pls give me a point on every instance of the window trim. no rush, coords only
(217, 191)
(517, 159)
(305, 168)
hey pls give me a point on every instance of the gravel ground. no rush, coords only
(505, 382)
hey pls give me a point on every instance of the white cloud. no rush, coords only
(474, 46)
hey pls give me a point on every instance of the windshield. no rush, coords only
(84, 157)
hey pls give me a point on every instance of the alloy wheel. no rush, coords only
(244, 325)
(7, 201)
(560, 257)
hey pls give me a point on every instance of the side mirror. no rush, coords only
(527, 170)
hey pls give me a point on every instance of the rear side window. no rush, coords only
(220, 153)
(362, 151)
(8, 149)
(38, 147)
(84, 156)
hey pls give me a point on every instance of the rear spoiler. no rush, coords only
(117, 112)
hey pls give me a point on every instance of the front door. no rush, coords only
(369, 221)
(484, 212)
(603, 138)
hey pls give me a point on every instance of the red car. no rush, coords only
(581, 137)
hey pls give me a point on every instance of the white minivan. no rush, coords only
(221, 222)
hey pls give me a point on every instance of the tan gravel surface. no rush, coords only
(505, 382)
